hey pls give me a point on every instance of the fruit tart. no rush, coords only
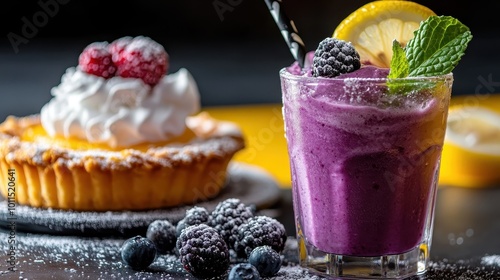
(120, 133)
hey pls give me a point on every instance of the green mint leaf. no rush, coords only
(399, 69)
(437, 46)
(399, 63)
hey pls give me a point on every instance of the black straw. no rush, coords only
(288, 30)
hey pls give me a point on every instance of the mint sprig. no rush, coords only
(436, 48)
(399, 62)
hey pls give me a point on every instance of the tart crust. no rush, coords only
(56, 177)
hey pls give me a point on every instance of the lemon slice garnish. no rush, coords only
(476, 129)
(471, 152)
(373, 27)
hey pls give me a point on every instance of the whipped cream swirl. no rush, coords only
(120, 112)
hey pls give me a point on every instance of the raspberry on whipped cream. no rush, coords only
(142, 58)
(128, 57)
(120, 112)
(96, 59)
(117, 46)
(138, 104)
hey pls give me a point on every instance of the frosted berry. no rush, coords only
(162, 233)
(227, 217)
(95, 59)
(334, 57)
(260, 231)
(194, 216)
(266, 260)
(138, 252)
(117, 46)
(202, 251)
(143, 58)
(243, 271)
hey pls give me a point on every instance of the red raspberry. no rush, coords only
(117, 46)
(143, 58)
(96, 60)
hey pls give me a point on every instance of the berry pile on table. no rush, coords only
(231, 240)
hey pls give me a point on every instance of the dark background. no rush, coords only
(234, 54)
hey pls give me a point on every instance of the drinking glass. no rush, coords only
(364, 161)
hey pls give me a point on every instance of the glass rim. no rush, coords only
(284, 73)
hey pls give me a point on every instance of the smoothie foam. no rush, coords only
(363, 174)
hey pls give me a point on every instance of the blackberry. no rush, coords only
(138, 252)
(194, 216)
(334, 57)
(243, 271)
(260, 231)
(266, 260)
(227, 216)
(162, 233)
(202, 251)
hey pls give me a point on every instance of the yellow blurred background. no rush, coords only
(262, 126)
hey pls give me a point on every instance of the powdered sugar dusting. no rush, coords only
(149, 49)
(294, 272)
(462, 269)
(491, 260)
(162, 156)
(56, 257)
(83, 258)
(67, 257)
(118, 45)
(223, 138)
(88, 223)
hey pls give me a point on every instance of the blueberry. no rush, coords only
(163, 235)
(138, 252)
(266, 260)
(243, 271)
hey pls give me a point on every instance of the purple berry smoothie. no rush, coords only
(363, 162)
